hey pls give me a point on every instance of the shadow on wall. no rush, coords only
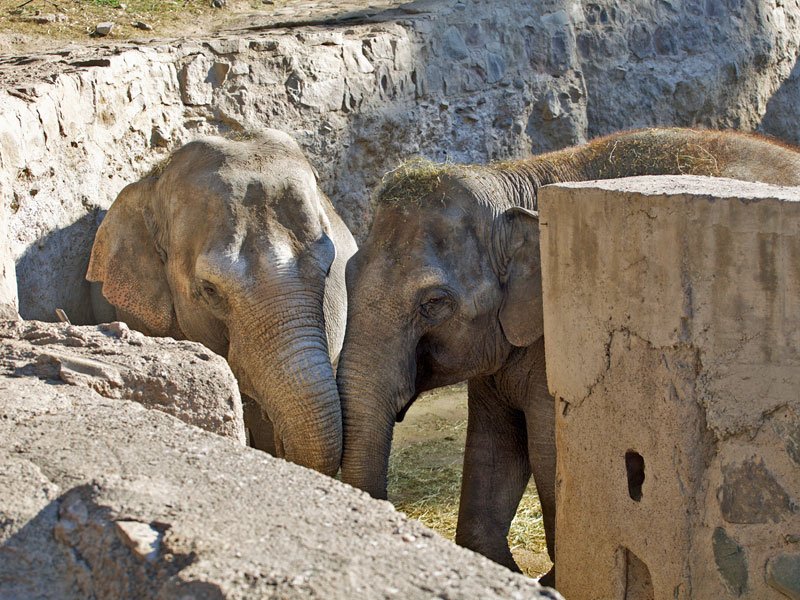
(783, 111)
(73, 548)
(64, 251)
(708, 64)
(334, 15)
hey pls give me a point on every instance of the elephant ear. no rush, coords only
(126, 259)
(521, 314)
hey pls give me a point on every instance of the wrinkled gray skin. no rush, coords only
(235, 246)
(447, 287)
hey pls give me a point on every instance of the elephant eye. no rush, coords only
(436, 306)
(209, 292)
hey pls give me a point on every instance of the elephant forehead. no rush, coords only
(268, 184)
(410, 226)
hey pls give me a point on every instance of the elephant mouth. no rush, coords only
(422, 372)
(402, 414)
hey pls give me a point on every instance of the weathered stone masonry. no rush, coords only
(672, 320)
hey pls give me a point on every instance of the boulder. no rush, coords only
(180, 378)
(100, 498)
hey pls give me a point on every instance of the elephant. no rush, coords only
(447, 287)
(233, 244)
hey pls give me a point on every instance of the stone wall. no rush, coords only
(713, 63)
(672, 320)
(461, 81)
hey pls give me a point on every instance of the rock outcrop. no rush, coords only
(180, 378)
(468, 82)
(101, 498)
(8, 276)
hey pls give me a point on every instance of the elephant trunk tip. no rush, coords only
(380, 494)
(378, 489)
(324, 460)
(329, 467)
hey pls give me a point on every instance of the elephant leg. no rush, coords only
(496, 472)
(540, 418)
(260, 433)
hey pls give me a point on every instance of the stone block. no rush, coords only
(354, 59)
(453, 45)
(100, 498)
(672, 328)
(194, 78)
(180, 378)
(783, 574)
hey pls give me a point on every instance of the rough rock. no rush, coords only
(731, 561)
(672, 322)
(467, 82)
(104, 28)
(100, 498)
(783, 574)
(8, 276)
(180, 378)
(751, 494)
(690, 63)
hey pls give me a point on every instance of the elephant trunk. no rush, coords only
(285, 361)
(370, 400)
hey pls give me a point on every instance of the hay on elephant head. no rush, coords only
(413, 180)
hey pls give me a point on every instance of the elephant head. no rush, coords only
(232, 244)
(446, 285)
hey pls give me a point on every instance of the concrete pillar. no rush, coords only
(672, 328)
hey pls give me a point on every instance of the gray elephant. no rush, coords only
(447, 287)
(234, 245)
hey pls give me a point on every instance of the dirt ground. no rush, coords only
(425, 475)
(42, 25)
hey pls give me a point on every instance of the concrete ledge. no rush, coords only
(101, 498)
(672, 328)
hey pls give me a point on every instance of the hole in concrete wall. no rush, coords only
(634, 467)
(638, 582)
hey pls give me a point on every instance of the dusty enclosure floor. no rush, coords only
(425, 475)
(40, 25)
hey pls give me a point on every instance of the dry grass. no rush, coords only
(425, 476)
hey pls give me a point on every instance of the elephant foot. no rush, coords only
(549, 578)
